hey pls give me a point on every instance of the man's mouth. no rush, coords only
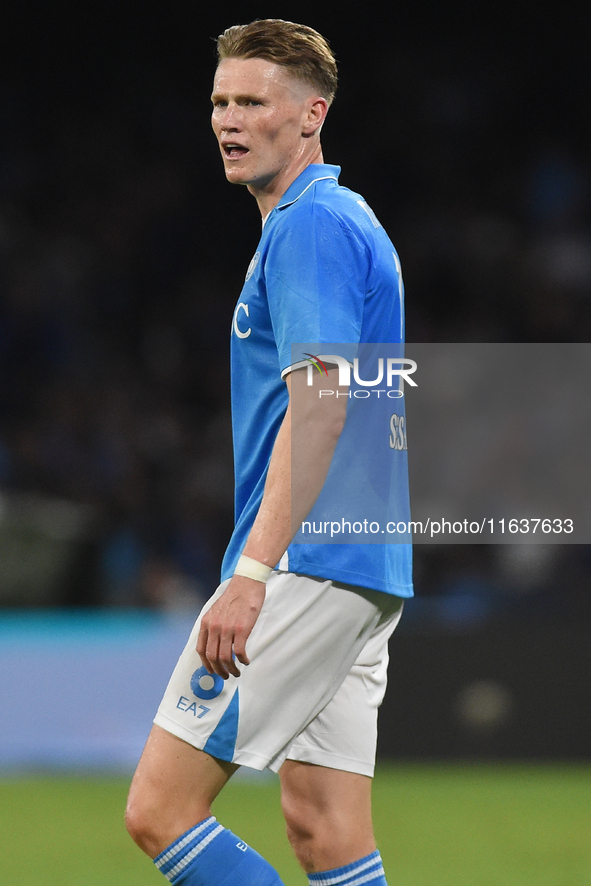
(234, 151)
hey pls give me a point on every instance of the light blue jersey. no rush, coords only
(324, 271)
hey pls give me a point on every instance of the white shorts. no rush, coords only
(317, 675)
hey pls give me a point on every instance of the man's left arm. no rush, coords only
(307, 438)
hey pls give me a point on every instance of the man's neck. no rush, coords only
(268, 197)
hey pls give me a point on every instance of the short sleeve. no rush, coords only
(316, 275)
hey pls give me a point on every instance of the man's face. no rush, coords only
(259, 114)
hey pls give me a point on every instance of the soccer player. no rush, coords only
(286, 665)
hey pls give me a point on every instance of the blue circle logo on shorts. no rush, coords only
(206, 685)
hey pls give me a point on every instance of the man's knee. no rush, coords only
(172, 790)
(135, 824)
(154, 821)
(299, 826)
(145, 822)
(309, 828)
(327, 813)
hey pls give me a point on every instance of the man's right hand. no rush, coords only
(226, 627)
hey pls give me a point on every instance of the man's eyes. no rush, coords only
(245, 102)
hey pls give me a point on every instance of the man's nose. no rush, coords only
(231, 118)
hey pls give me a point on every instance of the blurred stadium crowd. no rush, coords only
(122, 252)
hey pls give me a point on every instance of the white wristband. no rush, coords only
(250, 568)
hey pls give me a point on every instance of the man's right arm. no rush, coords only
(299, 464)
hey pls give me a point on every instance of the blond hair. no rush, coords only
(300, 49)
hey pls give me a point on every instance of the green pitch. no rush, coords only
(436, 826)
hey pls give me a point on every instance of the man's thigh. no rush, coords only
(343, 735)
(307, 638)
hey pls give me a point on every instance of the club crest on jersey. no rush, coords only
(206, 685)
(253, 263)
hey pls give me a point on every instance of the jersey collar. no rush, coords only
(313, 173)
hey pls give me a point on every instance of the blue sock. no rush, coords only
(210, 855)
(368, 871)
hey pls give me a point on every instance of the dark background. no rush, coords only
(123, 250)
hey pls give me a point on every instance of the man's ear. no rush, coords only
(316, 113)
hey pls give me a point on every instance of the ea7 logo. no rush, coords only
(396, 368)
